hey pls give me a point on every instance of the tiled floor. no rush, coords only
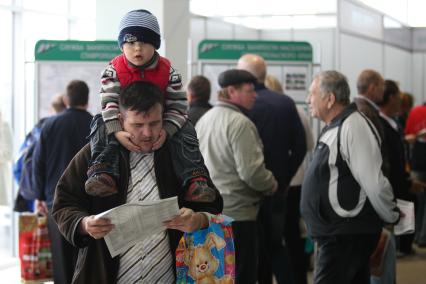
(410, 270)
(10, 272)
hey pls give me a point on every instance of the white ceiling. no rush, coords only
(285, 14)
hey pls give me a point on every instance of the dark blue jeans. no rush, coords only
(187, 159)
(104, 150)
(344, 259)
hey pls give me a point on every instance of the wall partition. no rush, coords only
(23, 23)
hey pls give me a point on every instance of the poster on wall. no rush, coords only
(295, 82)
(58, 62)
(52, 84)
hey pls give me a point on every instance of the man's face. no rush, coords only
(138, 53)
(378, 91)
(317, 103)
(145, 127)
(244, 96)
(395, 102)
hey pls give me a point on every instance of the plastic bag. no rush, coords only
(34, 249)
(208, 255)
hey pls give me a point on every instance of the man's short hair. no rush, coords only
(77, 93)
(200, 88)
(391, 90)
(336, 83)
(140, 96)
(366, 78)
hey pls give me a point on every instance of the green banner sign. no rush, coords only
(73, 50)
(270, 50)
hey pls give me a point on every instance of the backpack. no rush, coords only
(22, 170)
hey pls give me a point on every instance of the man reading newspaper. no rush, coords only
(144, 175)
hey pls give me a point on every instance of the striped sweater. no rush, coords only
(118, 74)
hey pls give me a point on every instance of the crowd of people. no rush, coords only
(246, 156)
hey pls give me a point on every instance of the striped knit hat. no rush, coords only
(139, 25)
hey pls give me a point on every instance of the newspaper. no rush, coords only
(407, 222)
(136, 221)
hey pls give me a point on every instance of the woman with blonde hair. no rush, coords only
(272, 83)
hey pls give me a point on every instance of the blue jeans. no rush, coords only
(420, 234)
(104, 150)
(187, 159)
(389, 265)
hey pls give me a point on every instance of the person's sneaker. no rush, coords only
(101, 185)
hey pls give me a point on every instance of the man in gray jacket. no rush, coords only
(233, 152)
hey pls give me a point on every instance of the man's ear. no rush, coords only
(371, 88)
(66, 101)
(231, 91)
(121, 118)
(189, 95)
(331, 100)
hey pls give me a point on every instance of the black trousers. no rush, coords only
(246, 251)
(294, 242)
(274, 254)
(64, 255)
(344, 259)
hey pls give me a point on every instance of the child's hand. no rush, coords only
(160, 141)
(125, 139)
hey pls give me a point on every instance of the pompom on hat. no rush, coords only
(139, 25)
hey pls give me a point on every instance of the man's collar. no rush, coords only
(369, 101)
(259, 86)
(200, 104)
(391, 122)
(346, 110)
(233, 106)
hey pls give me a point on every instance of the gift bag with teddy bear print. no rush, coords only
(208, 255)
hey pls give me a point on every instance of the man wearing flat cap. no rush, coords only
(233, 153)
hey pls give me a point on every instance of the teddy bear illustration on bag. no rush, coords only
(202, 263)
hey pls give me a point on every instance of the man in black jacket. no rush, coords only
(61, 137)
(284, 146)
(393, 137)
(144, 175)
(345, 196)
(198, 93)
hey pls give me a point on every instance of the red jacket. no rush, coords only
(159, 75)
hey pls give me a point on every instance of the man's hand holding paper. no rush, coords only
(125, 225)
(95, 227)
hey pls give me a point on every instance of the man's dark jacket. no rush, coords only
(71, 204)
(373, 115)
(197, 109)
(399, 178)
(282, 133)
(61, 137)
